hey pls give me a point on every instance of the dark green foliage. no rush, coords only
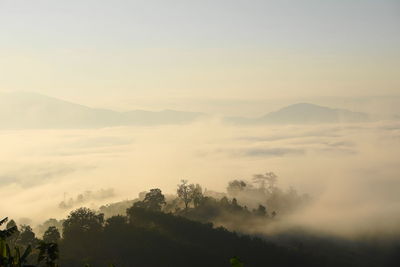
(9, 231)
(11, 257)
(82, 221)
(235, 262)
(48, 254)
(152, 238)
(52, 235)
(186, 236)
(26, 236)
(153, 200)
(42, 228)
(81, 235)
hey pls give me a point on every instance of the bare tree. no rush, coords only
(268, 178)
(184, 192)
(190, 192)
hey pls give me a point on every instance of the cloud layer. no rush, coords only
(351, 170)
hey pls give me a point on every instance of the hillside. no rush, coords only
(34, 111)
(304, 113)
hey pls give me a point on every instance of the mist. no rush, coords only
(350, 170)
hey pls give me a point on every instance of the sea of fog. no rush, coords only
(352, 171)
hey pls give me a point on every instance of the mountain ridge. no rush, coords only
(25, 110)
(303, 113)
(37, 111)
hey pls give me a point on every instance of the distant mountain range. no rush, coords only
(30, 110)
(304, 113)
(35, 111)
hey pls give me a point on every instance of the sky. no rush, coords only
(154, 54)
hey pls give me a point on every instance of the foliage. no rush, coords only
(48, 253)
(155, 233)
(7, 258)
(52, 235)
(152, 200)
(235, 186)
(235, 262)
(189, 193)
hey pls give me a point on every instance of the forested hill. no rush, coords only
(156, 231)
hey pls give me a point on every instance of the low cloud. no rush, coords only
(273, 152)
(350, 170)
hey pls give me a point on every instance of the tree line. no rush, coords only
(195, 227)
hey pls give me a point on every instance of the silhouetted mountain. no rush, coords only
(303, 113)
(30, 110)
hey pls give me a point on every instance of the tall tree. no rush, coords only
(153, 200)
(184, 193)
(52, 235)
(197, 194)
(27, 236)
(48, 253)
(82, 221)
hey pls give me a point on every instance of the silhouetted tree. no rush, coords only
(153, 200)
(81, 221)
(48, 253)
(197, 194)
(268, 178)
(11, 257)
(26, 236)
(13, 238)
(235, 187)
(52, 235)
(184, 192)
(81, 235)
(260, 211)
(190, 192)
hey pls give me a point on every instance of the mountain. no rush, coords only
(304, 113)
(35, 111)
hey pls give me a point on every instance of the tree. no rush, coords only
(260, 211)
(197, 194)
(7, 258)
(82, 221)
(27, 236)
(11, 224)
(153, 200)
(8, 231)
(48, 253)
(235, 187)
(49, 222)
(116, 222)
(52, 235)
(268, 178)
(14, 236)
(189, 192)
(184, 193)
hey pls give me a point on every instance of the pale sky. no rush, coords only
(113, 53)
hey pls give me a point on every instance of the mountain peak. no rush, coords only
(311, 113)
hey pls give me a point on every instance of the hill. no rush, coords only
(35, 111)
(304, 113)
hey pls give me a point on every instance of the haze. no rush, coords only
(219, 59)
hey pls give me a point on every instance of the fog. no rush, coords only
(351, 171)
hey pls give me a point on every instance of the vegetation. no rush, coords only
(193, 228)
